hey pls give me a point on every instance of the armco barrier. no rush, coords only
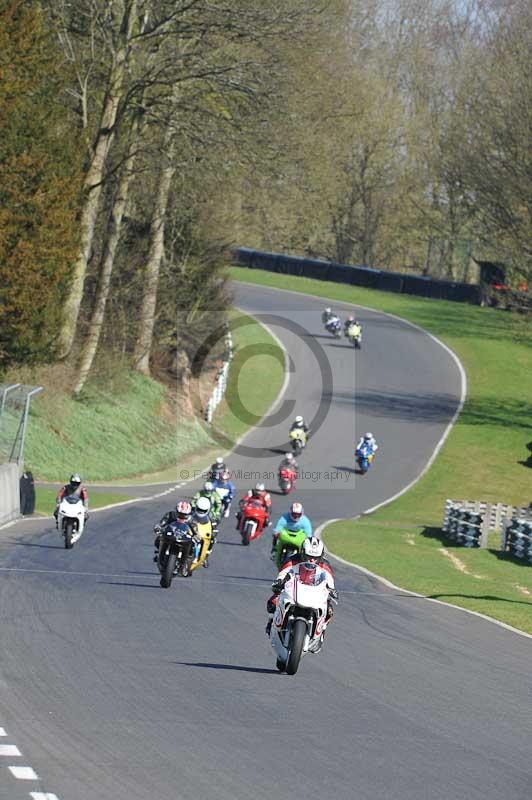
(9, 492)
(358, 276)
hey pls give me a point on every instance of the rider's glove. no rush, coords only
(333, 594)
(277, 586)
(157, 529)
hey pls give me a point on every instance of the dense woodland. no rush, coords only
(141, 139)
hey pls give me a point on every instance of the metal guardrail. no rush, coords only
(221, 380)
(469, 522)
(15, 400)
(516, 536)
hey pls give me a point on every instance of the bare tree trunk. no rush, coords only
(141, 355)
(107, 262)
(93, 180)
(184, 377)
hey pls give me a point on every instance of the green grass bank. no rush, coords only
(128, 431)
(484, 457)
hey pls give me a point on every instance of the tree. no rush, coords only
(39, 187)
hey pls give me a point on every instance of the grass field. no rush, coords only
(484, 458)
(129, 429)
(45, 500)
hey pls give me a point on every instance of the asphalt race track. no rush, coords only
(114, 689)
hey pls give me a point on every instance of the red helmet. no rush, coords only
(183, 510)
(296, 511)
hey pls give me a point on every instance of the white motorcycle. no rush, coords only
(71, 519)
(299, 620)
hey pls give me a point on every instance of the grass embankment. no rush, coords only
(130, 430)
(483, 458)
(45, 500)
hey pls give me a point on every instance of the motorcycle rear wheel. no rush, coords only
(69, 532)
(297, 640)
(168, 571)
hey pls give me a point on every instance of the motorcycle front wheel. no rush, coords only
(297, 640)
(168, 571)
(69, 532)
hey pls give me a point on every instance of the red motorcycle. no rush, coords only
(252, 520)
(287, 480)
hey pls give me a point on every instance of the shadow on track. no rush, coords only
(351, 470)
(45, 546)
(230, 544)
(235, 667)
(138, 585)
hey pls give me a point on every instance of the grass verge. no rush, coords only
(484, 458)
(45, 500)
(128, 432)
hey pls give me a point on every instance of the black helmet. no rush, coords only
(75, 480)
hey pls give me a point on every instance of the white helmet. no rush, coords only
(208, 486)
(259, 487)
(289, 457)
(202, 508)
(327, 310)
(368, 436)
(312, 548)
(299, 418)
(219, 461)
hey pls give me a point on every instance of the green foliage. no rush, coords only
(39, 181)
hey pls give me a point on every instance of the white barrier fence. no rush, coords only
(9, 492)
(469, 522)
(221, 380)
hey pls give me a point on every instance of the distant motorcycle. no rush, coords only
(71, 519)
(334, 326)
(364, 457)
(354, 335)
(299, 619)
(252, 520)
(287, 480)
(298, 440)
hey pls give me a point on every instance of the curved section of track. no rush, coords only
(113, 688)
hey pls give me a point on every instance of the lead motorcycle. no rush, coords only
(177, 550)
(71, 519)
(364, 457)
(299, 620)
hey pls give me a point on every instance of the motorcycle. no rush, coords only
(334, 326)
(364, 456)
(288, 544)
(298, 440)
(71, 519)
(354, 334)
(178, 551)
(287, 480)
(252, 520)
(226, 499)
(299, 619)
